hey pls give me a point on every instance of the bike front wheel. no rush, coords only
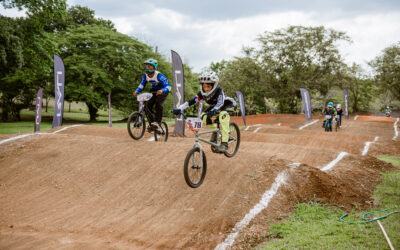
(136, 125)
(195, 167)
(163, 134)
(234, 140)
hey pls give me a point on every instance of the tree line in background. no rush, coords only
(271, 73)
(99, 60)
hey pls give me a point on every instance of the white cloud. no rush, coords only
(202, 41)
(11, 12)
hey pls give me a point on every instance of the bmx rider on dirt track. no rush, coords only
(160, 88)
(214, 96)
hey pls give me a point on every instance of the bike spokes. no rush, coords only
(136, 125)
(195, 167)
(161, 134)
(234, 140)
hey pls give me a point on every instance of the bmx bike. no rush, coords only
(195, 165)
(136, 123)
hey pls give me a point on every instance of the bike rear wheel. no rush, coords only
(194, 169)
(136, 125)
(234, 140)
(161, 135)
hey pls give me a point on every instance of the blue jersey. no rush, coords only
(158, 82)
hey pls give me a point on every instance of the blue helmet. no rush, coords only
(330, 104)
(152, 62)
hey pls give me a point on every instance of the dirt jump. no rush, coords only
(90, 187)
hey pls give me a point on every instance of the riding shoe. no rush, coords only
(222, 147)
(156, 127)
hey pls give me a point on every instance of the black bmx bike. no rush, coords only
(136, 124)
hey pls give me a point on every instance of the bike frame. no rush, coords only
(144, 109)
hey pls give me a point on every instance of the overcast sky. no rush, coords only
(202, 31)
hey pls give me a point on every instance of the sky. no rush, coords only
(205, 31)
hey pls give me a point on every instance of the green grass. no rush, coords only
(78, 114)
(395, 160)
(21, 127)
(317, 226)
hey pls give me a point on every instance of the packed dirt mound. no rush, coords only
(281, 119)
(371, 118)
(346, 188)
(92, 187)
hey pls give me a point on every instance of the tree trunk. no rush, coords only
(47, 102)
(92, 112)
(6, 110)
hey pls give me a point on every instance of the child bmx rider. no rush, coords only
(160, 88)
(218, 103)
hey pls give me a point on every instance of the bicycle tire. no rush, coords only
(157, 136)
(236, 128)
(133, 118)
(188, 166)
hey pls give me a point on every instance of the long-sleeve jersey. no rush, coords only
(158, 81)
(331, 112)
(218, 101)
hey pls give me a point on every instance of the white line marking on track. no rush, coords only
(396, 132)
(27, 135)
(72, 126)
(257, 129)
(294, 165)
(15, 138)
(355, 117)
(332, 164)
(367, 145)
(308, 124)
(261, 205)
(255, 125)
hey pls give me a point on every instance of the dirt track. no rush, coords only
(92, 187)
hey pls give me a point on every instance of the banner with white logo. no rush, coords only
(59, 79)
(178, 90)
(38, 113)
(242, 106)
(346, 102)
(306, 99)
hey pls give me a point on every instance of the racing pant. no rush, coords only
(157, 100)
(224, 120)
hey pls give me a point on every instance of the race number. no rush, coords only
(194, 123)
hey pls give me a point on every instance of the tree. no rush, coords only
(99, 61)
(387, 69)
(299, 57)
(360, 86)
(27, 52)
(245, 74)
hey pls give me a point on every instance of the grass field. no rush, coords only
(78, 114)
(317, 226)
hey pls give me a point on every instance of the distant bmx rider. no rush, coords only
(218, 103)
(329, 110)
(388, 111)
(339, 112)
(160, 88)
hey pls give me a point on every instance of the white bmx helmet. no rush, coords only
(338, 106)
(209, 77)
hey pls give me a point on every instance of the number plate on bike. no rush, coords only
(328, 117)
(194, 123)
